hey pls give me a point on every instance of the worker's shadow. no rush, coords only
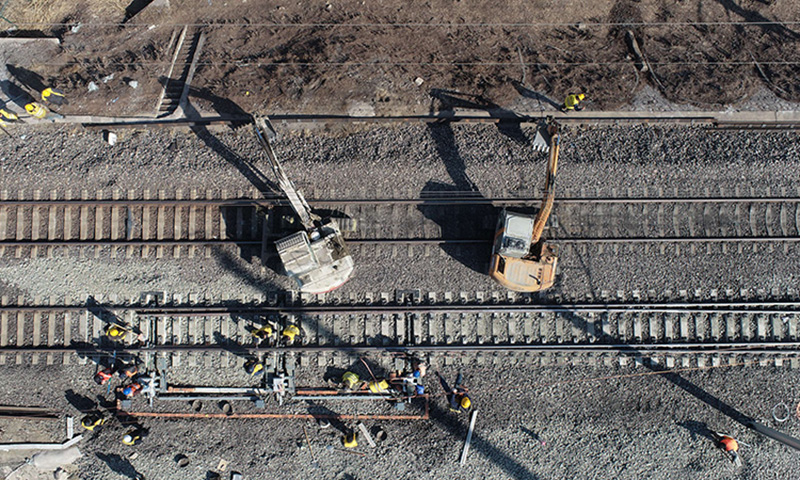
(27, 78)
(15, 94)
(443, 102)
(453, 224)
(532, 94)
(119, 465)
(697, 428)
(231, 346)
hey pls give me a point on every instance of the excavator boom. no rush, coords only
(549, 190)
(264, 130)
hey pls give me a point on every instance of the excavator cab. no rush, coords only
(521, 260)
(315, 257)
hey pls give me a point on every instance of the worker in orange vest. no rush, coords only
(132, 389)
(729, 445)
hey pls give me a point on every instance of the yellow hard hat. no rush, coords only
(30, 107)
(581, 96)
(115, 331)
(350, 440)
(465, 402)
(291, 331)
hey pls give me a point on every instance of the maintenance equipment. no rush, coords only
(316, 257)
(521, 261)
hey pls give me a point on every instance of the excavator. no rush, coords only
(521, 260)
(315, 257)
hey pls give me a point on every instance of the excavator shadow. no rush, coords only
(477, 226)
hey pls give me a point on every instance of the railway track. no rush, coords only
(153, 224)
(683, 333)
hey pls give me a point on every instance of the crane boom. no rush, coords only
(549, 190)
(264, 129)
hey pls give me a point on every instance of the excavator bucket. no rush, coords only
(541, 141)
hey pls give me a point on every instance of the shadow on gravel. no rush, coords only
(697, 428)
(453, 227)
(508, 122)
(119, 465)
(455, 425)
(80, 402)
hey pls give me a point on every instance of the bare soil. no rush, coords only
(363, 57)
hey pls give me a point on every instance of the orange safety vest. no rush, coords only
(36, 110)
(730, 444)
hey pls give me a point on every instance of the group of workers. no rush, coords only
(134, 383)
(50, 96)
(290, 334)
(139, 383)
(406, 384)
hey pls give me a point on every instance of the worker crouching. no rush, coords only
(350, 439)
(290, 334)
(573, 102)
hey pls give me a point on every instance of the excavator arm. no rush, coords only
(549, 187)
(264, 131)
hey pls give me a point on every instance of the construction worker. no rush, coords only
(129, 371)
(54, 96)
(457, 396)
(729, 445)
(36, 110)
(103, 375)
(116, 332)
(93, 422)
(572, 102)
(133, 389)
(253, 366)
(133, 437)
(350, 439)
(350, 381)
(8, 116)
(264, 332)
(289, 334)
(378, 386)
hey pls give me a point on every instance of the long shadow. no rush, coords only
(454, 226)
(508, 121)
(80, 402)
(27, 78)
(134, 8)
(539, 97)
(775, 29)
(119, 465)
(455, 426)
(15, 94)
(714, 402)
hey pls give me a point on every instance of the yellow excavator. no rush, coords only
(521, 260)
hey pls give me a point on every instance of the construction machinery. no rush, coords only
(316, 257)
(521, 260)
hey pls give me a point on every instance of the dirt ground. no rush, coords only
(396, 57)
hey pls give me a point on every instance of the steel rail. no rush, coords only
(788, 307)
(391, 241)
(433, 200)
(237, 120)
(752, 348)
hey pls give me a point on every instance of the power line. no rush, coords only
(415, 64)
(418, 24)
